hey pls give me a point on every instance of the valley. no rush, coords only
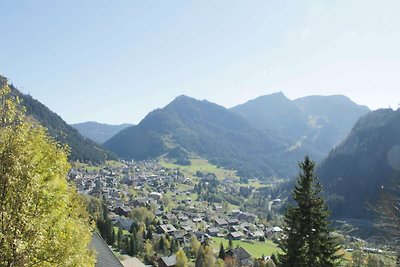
(186, 201)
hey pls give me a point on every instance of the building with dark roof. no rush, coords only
(104, 255)
(241, 255)
(167, 261)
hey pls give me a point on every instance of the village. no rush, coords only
(177, 204)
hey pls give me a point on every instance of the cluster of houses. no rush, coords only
(187, 218)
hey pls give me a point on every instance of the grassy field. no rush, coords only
(256, 248)
(85, 166)
(88, 167)
(201, 165)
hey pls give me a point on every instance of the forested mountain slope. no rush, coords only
(316, 123)
(82, 149)
(368, 160)
(189, 126)
(99, 132)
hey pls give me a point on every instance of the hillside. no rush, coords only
(99, 132)
(82, 149)
(369, 159)
(316, 123)
(189, 126)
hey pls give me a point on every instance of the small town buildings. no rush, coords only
(167, 261)
(243, 258)
(221, 222)
(122, 210)
(213, 231)
(235, 235)
(166, 229)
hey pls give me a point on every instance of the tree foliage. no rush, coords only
(43, 221)
(181, 259)
(308, 239)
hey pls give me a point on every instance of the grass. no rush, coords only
(201, 165)
(114, 163)
(256, 248)
(85, 166)
(88, 167)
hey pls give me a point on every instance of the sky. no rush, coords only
(115, 61)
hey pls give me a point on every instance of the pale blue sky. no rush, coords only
(114, 61)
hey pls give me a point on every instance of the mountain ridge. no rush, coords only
(316, 122)
(99, 132)
(206, 129)
(81, 148)
(368, 160)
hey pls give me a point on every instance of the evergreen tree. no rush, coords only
(230, 244)
(221, 254)
(120, 238)
(274, 259)
(149, 234)
(200, 258)
(174, 246)
(161, 245)
(308, 239)
(133, 247)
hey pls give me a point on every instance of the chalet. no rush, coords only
(166, 229)
(233, 221)
(234, 228)
(241, 255)
(256, 234)
(213, 231)
(122, 210)
(169, 217)
(123, 223)
(197, 220)
(235, 235)
(183, 218)
(187, 228)
(179, 236)
(167, 261)
(221, 222)
(202, 237)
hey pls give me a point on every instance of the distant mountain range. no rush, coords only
(368, 161)
(99, 132)
(317, 123)
(263, 137)
(82, 149)
(188, 126)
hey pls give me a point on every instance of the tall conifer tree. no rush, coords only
(308, 239)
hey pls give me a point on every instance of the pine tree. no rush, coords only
(119, 239)
(221, 254)
(200, 257)
(149, 234)
(133, 247)
(174, 246)
(308, 239)
(230, 244)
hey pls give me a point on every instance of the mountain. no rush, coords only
(82, 149)
(187, 127)
(367, 161)
(99, 132)
(316, 123)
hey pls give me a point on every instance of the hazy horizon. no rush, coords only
(115, 62)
